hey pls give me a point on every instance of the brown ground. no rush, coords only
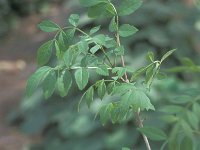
(17, 62)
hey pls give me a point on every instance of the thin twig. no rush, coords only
(137, 114)
(88, 68)
(119, 44)
(140, 125)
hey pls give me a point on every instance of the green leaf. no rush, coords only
(110, 9)
(105, 113)
(164, 145)
(186, 129)
(65, 39)
(161, 76)
(81, 77)
(150, 74)
(196, 109)
(89, 96)
(100, 39)
(84, 61)
(113, 25)
(101, 89)
(70, 33)
(110, 43)
(70, 55)
(64, 83)
(193, 119)
(169, 118)
(49, 84)
(171, 109)
(35, 79)
(88, 3)
(94, 49)
(83, 47)
(58, 50)
(150, 56)
(136, 99)
(181, 99)
(187, 62)
(178, 69)
(103, 9)
(167, 54)
(186, 144)
(126, 30)
(127, 7)
(89, 60)
(44, 53)
(102, 70)
(119, 70)
(153, 133)
(123, 88)
(48, 26)
(94, 30)
(117, 113)
(174, 142)
(125, 148)
(137, 73)
(119, 51)
(110, 87)
(74, 19)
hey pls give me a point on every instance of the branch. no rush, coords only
(119, 44)
(140, 125)
(88, 68)
(137, 114)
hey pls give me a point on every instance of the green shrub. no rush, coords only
(177, 106)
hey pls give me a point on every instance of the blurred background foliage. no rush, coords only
(163, 25)
(11, 11)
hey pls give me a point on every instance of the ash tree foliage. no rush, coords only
(97, 53)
